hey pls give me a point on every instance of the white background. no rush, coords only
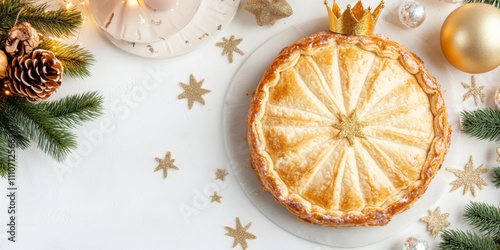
(106, 195)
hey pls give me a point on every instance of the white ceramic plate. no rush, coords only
(135, 21)
(210, 19)
(235, 128)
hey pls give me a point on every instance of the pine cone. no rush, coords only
(35, 76)
(22, 39)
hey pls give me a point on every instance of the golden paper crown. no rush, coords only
(353, 21)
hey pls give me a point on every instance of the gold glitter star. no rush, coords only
(474, 91)
(436, 221)
(350, 127)
(268, 11)
(216, 197)
(240, 234)
(469, 177)
(193, 92)
(165, 164)
(221, 174)
(498, 153)
(229, 47)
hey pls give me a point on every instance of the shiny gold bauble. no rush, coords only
(470, 38)
(3, 64)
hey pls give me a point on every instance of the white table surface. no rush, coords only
(106, 195)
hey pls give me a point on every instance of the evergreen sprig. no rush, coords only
(10, 127)
(9, 11)
(52, 137)
(483, 124)
(48, 123)
(495, 3)
(59, 23)
(75, 59)
(76, 109)
(496, 177)
(484, 217)
(459, 240)
(62, 22)
(4, 153)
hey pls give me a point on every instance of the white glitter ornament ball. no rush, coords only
(454, 1)
(415, 243)
(411, 13)
(497, 99)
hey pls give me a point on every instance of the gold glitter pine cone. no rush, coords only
(36, 75)
(23, 38)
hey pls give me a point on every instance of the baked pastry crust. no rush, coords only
(321, 177)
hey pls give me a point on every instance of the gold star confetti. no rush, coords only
(498, 153)
(193, 92)
(469, 177)
(268, 11)
(165, 164)
(474, 91)
(436, 221)
(350, 127)
(221, 174)
(240, 234)
(216, 198)
(229, 47)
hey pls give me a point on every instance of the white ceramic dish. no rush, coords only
(211, 18)
(134, 21)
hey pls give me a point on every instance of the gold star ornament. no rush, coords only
(474, 91)
(193, 92)
(469, 177)
(229, 47)
(436, 221)
(216, 198)
(165, 164)
(350, 127)
(268, 11)
(498, 153)
(220, 174)
(240, 234)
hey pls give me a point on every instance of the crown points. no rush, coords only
(353, 21)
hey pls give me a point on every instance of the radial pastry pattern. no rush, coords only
(347, 130)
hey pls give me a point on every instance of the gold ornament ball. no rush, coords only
(3, 64)
(470, 38)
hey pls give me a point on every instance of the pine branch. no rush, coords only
(482, 124)
(59, 23)
(76, 109)
(458, 240)
(12, 129)
(47, 123)
(484, 217)
(9, 11)
(495, 3)
(4, 155)
(75, 59)
(496, 177)
(52, 137)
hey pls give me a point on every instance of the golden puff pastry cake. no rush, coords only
(347, 130)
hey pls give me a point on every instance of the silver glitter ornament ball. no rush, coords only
(411, 13)
(415, 243)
